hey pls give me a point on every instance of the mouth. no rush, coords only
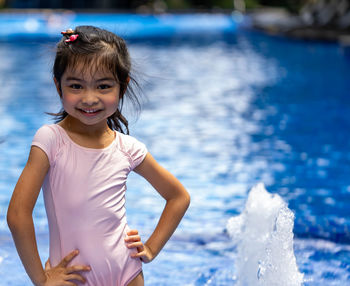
(89, 111)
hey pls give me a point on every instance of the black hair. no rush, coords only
(100, 49)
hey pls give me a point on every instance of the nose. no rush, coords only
(90, 98)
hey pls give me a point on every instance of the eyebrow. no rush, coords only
(101, 79)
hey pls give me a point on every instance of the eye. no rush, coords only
(75, 86)
(104, 86)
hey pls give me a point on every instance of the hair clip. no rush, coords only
(72, 38)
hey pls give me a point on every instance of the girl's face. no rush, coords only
(89, 97)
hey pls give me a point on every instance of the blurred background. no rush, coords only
(153, 5)
(310, 19)
(234, 93)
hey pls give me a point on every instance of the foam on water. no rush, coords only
(263, 233)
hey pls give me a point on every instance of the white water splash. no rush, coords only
(264, 236)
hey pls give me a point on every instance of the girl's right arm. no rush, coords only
(19, 213)
(20, 222)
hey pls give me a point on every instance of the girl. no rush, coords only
(82, 163)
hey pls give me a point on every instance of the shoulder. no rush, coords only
(128, 142)
(46, 134)
(46, 139)
(132, 147)
(47, 130)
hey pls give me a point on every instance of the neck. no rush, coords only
(75, 126)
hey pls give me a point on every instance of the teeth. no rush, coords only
(89, 110)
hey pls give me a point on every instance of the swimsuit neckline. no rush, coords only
(87, 148)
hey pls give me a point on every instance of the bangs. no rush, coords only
(93, 63)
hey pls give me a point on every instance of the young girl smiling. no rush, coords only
(82, 163)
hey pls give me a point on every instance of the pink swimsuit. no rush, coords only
(84, 195)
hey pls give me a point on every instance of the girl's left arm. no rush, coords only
(177, 202)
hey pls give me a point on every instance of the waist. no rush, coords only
(93, 244)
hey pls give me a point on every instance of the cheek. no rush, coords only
(112, 101)
(68, 100)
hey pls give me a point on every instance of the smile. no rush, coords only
(89, 112)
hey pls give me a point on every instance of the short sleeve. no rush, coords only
(45, 139)
(137, 151)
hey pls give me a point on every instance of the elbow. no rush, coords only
(15, 219)
(11, 222)
(187, 199)
(182, 200)
(11, 218)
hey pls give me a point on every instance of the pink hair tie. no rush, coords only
(70, 33)
(72, 38)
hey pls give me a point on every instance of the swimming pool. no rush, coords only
(222, 113)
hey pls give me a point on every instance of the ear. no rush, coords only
(58, 86)
(126, 86)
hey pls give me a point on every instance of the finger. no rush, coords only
(133, 238)
(77, 268)
(142, 256)
(135, 244)
(68, 258)
(139, 254)
(132, 232)
(47, 264)
(76, 277)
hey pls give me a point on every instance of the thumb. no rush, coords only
(140, 248)
(47, 264)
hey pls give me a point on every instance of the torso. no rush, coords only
(84, 196)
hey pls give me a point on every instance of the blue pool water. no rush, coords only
(222, 113)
